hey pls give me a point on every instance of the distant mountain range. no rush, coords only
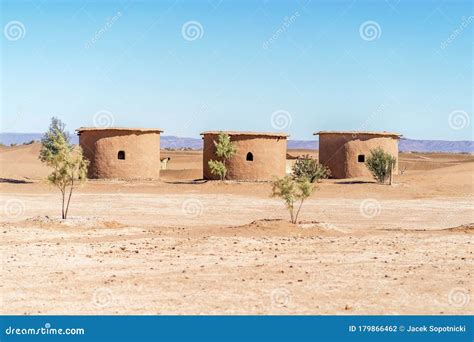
(405, 145)
(172, 142)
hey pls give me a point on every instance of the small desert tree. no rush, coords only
(381, 165)
(308, 167)
(68, 163)
(224, 151)
(293, 191)
(56, 128)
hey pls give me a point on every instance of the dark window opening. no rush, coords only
(121, 155)
(249, 156)
(361, 158)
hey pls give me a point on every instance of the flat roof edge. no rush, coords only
(268, 134)
(86, 129)
(381, 133)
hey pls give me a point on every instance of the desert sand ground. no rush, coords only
(180, 246)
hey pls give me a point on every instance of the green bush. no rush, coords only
(218, 168)
(224, 150)
(224, 147)
(308, 167)
(293, 191)
(381, 165)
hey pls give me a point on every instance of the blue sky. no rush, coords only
(294, 66)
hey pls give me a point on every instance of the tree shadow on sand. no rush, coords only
(15, 181)
(192, 181)
(355, 182)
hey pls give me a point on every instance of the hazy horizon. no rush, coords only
(174, 142)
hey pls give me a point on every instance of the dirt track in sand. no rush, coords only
(174, 247)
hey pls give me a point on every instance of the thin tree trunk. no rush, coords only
(225, 170)
(298, 212)
(291, 212)
(391, 171)
(62, 203)
(69, 198)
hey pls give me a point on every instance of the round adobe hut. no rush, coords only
(259, 156)
(121, 153)
(345, 152)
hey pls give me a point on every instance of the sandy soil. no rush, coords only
(183, 246)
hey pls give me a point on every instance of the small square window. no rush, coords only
(121, 155)
(361, 158)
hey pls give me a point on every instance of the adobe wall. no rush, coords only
(340, 152)
(142, 153)
(269, 157)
